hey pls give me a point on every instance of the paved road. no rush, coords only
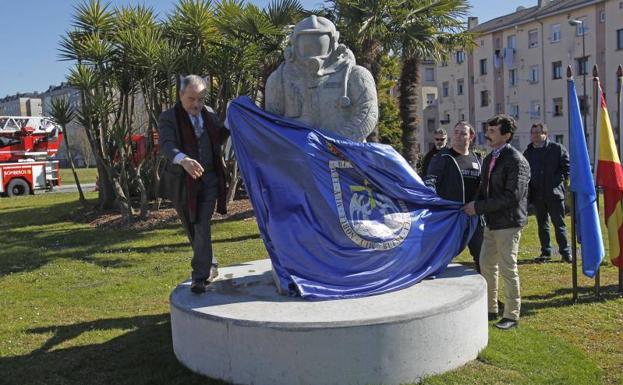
(71, 187)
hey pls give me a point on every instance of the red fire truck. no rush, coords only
(26, 144)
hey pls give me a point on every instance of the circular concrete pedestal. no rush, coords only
(241, 331)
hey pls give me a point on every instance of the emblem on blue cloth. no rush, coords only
(369, 218)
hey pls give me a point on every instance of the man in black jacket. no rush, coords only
(503, 200)
(194, 179)
(441, 139)
(549, 167)
(454, 174)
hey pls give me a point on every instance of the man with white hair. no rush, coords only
(194, 178)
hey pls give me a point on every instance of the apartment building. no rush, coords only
(429, 99)
(519, 66)
(27, 104)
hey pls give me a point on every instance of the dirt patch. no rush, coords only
(157, 217)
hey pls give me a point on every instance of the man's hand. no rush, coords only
(470, 209)
(192, 167)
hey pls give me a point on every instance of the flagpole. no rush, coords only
(596, 109)
(574, 259)
(620, 121)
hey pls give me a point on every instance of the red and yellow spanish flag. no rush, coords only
(610, 178)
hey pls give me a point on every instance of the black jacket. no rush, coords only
(505, 203)
(427, 158)
(554, 169)
(444, 176)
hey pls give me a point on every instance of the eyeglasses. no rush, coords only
(439, 140)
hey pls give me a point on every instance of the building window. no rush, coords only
(511, 42)
(554, 35)
(533, 74)
(445, 89)
(581, 28)
(582, 65)
(559, 138)
(430, 125)
(444, 63)
(512, 77)
(557, 70)
(461, 115)
(557, 106)
(459, 86)
(535, 109)
(620, 39)
(460, 57)
(513, 110)
(602, 16)
(498, 108)
(484, 98)
(430, 99)
(584, 106)
(483, 66)
(429, 74)
(533, 38)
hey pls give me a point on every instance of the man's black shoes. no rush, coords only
(543, 258)
(198, 286)
(548, 258)
(506, 324)
(493, 316)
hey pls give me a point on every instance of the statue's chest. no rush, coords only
(313, 100)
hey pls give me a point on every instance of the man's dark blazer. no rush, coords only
(171, 184)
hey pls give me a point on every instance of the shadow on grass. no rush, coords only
(563, 297)
(237, 239)
(235, 217)
(25, 249)
(143, 355)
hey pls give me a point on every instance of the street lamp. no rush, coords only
(575, 23)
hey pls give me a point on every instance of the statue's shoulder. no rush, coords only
(361, 71)
(276, 75)
(361, 75)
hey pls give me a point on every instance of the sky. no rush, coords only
(31, 31)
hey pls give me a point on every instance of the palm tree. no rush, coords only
(89, 45)
(424, 30)
(63, 114)
(365, 27)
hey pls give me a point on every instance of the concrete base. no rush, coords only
(241, 331)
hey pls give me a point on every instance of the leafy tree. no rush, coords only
(424, 30)
(63, 114)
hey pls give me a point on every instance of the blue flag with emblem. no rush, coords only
(583, 187)
(339, 218)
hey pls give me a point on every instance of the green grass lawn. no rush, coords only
(85, 175)
(81, 305)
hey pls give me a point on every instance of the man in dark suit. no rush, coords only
(193, 178)
(549, 165)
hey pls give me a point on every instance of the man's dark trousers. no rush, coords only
(554, 209)
(475, 243)
(199, 233)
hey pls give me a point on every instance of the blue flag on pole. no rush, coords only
(339, 218)
(583, 188)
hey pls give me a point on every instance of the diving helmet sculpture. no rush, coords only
(320, 83)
